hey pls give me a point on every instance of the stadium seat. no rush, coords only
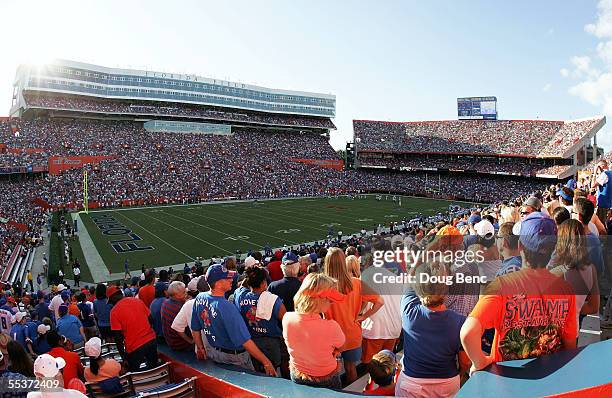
(94, 390)
(152, 378)
(185, 389)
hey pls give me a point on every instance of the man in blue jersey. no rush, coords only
(220, 322)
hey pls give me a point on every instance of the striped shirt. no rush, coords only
(169, 309)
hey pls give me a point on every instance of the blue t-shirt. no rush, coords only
(511, 264)
(31, 330)
(155, 308)
(69, 326)
(595, 254)
(431, 339)
(42, 311)
(19, 334)
(247, 304)
(220, 321)
(40, 345)
(102, 311)
(87, 318)
(604, 192)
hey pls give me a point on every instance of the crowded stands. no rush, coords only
(500, 137)
(478, 164)
(149, 108)
(244, 314)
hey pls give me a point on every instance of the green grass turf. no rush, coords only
(180, 233)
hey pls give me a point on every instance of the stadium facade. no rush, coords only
(37, 89)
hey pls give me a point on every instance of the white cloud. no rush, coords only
(546, 87)
(594, 75)
(604, 50)
(602, 28)
(550, 32)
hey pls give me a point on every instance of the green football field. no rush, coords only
(169, 235)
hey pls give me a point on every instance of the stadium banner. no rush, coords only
(42, 203)
(19, 226)
(24, 150)
(57, 164)
(326, 164)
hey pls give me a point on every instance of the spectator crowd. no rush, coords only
(326, 314)
(499, 137)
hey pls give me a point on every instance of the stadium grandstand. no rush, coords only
(172, 235)
(536, 150)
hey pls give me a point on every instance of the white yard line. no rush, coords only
(162, 240)
(186, 233)
(233, 225)
(98, 269)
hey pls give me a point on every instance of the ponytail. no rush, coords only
(94, 366)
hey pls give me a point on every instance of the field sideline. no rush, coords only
(175, 234)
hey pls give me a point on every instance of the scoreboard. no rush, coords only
(477, 108)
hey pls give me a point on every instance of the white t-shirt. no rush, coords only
(386, 323)
(5, 321)
(55, 303)
(182, 320)
(76, 271)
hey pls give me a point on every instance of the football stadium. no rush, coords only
(165, 234)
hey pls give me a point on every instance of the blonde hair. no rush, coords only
(353, 266)
(313, 283)
(335, 266)
(431, 293)
(509, 214)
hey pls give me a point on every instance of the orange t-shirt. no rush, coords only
(147, 294)
(110, 368)
(73, 367)
(73, 309)
(531, 310)
(346, 312)
(311, 341)
(131, 317)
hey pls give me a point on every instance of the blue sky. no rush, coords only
(384, 60)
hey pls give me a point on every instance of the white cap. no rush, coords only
(42, 328)
(19, 316)
(193, 284)
(48, 366)
(516, 229)
(93, 347)
(61, 287)
(485, 229)
(250, 262)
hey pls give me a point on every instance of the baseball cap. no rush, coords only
(112, 290)
(250, 262)
(537, 232)
(93, 347)
(61, 287)
(216, 272)
(193, 284)
(533, 202)
(290, 258)
(566, 193)
(18, 317)
(484, 229)
(571, 184)
(65, 294)
(48, 366)
(63, 309)
(452, 234)
(313, 257)
(42, 328)
(474, 218)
